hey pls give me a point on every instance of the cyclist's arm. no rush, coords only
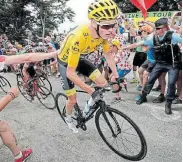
(29, 57)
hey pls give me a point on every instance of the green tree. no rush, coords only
(19, 16)
(51, 13)
(128, 7)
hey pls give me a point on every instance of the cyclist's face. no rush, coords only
(107, 29)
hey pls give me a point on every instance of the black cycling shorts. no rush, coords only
(85, 67)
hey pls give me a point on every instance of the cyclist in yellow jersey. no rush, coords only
(83, 40)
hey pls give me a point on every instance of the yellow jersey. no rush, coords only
(79, 42)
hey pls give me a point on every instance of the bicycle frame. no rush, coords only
(98, 105)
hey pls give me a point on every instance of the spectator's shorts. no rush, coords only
(139, 58)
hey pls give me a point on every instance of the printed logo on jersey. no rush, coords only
(85, 34)
(75, 47)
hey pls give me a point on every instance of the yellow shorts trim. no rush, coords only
(70, 92)
(95, 74)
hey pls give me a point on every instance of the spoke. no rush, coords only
(131, 143)
(130, 134)
(125, 146)
(128, 128)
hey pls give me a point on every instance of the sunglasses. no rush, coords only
(107, 27)
(158, 28)
(143, 31)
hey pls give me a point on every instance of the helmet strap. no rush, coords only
(97, 30)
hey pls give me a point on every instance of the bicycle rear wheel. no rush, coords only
(121, 134)
(61, 105)
(23, 90)
(45, 96)
(4, 84)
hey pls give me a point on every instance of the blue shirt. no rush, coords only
(121, 30)
(176, 38)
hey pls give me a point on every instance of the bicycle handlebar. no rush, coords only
(104, 89)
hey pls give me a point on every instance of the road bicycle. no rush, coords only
(4, 84)
(35, 88)
(117, 130)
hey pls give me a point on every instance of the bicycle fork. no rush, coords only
(114, 134)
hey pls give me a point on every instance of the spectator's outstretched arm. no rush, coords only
(12, 93)
(172, 23)
(29, 57)
(135, 45)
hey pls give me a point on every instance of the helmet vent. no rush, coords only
(102, 4)
(107, 12)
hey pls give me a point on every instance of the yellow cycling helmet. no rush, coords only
(116, 42)
(103, 10)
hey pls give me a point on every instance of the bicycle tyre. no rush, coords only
(143, 150)
(62, 112)
(42, 79)
(6, 82)
(19, 85)
(40, 87)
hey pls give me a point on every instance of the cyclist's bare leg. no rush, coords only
(69, 108)
(70, 104)
(8, 138)
(100, 81)
(25, 75)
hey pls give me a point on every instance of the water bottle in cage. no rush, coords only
(88, 105)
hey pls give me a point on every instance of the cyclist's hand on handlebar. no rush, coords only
(119, 80)
(91, 91)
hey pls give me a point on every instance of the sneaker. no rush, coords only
(141, 100)
(139, 88)
(158, 88)
(137, 98)
(25, 155)
(168, 109)
(159, 99)
(177, 101)
(71, 125)
(134, 81)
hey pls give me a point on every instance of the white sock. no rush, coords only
(19, 155)
(134, 74)
(69, 118)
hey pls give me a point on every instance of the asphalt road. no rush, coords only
(51, 140)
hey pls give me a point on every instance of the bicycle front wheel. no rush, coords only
(45, 82)
(121, 134)
(45, 96)
(61, 105)
(4, 84)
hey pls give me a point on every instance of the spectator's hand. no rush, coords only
(14, 91)
(175, 14)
